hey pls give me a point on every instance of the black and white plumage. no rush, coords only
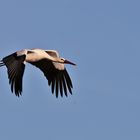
(48, 61)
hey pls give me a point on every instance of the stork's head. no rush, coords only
(63, 60)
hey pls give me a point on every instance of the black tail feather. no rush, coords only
(1, 63)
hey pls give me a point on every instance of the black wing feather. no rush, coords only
(15, 69)
(59, 80)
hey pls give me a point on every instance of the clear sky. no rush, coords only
(103, 38)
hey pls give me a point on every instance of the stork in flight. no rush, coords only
(48, 61)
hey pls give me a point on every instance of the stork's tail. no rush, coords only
(1, 63)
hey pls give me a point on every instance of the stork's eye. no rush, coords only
(62, 59)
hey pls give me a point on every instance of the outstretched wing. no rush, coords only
(57, 76)
(15, 68)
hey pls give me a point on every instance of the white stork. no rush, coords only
(48, 61)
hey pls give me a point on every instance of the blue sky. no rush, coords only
(102, 38)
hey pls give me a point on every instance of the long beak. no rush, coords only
(68, 62)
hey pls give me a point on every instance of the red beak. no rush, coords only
(68, 62)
